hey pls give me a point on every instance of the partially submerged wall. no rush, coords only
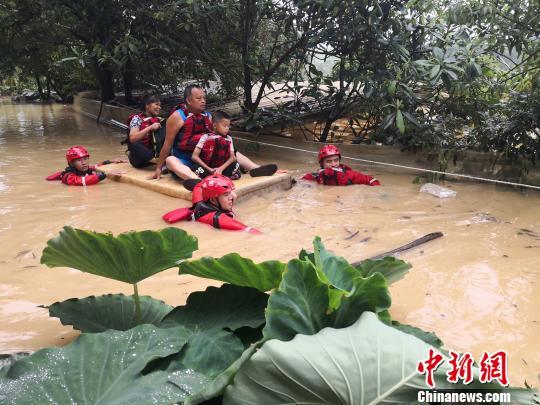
(486, 165)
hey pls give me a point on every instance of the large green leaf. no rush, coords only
(429, 337)
(391, 268)
(218, 384)
(101, 368)
(6, 360)
(112, 311)
(129, 257)
(228, 306)
(299, 305)
(303, 301)
(366, 363)
(208, 353)
(235, 269)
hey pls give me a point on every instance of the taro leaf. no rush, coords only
(208, 353)
(302, 303)
(235, 269)
(216, 387)
(111, 311)
(100, 368)
(228, 306)
(299, 305)
(6, 360)
(366, 363)
(391, 268)
(129, 257)
(429, 337)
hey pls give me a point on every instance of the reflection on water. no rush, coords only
(477, 287)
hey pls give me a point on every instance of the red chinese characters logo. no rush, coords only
(461, 368)
(493, 367)
(429, 366)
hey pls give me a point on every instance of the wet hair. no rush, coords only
(149, 99)
(189, 89)
(220, 115)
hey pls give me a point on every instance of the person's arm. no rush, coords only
(229, 161)
(71, 179)
(197, 159)
(360, 178)
(173, 126)
(136, 134)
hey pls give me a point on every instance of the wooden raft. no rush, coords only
(167, 185)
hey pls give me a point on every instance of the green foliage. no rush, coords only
(98, 368)
(367, 362)
(129, 257)
(320, 310)
(228, 306)
(111, 311)
(234, 269)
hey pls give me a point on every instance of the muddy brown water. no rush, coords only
(477, 288)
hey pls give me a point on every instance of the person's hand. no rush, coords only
(155, 126)
(118, 160)
(218, 170)
(115, 173)
(281, 171)
(156, 175)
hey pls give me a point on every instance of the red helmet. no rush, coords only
(215, 185)
(328, 150)
(76, 152)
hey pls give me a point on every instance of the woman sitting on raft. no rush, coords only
(142, 141)
(185, 126)
(213, 199)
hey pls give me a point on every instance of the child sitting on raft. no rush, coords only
(142, 142)
(79, 172)
(214, 153)
(334, 173)
(213, 199)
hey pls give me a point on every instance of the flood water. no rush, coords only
(477, 288)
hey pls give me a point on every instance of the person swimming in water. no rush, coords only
(213, 200)
(79, 171)
(335, 173)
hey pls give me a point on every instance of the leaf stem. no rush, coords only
(138, 319)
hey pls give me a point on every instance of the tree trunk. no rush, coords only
(128, 76)
(48, 86)
(39, 87)
(326, 130)
(105, 80)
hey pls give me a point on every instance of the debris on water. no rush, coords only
(437, 191)
(482, 217)
(352, 235)
(365, 239)
(25, 254)
(528, 232)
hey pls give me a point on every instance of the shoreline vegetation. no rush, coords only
(428, 76)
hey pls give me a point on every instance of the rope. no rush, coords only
(465, 176)
(374, 162)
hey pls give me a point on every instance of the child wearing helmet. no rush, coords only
(335, 173)
(79, 172)
(213, 199)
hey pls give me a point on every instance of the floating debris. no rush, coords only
(352, 235)
(437, 191)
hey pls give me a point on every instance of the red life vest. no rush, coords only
(341, 176)
(195, 126)
(216, 151)
(208, 214)
(147, 140)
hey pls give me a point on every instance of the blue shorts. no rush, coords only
(183, 156)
